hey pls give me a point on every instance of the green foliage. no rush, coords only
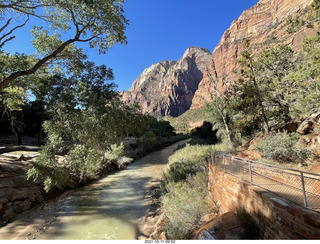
(315, 7)
(283, 148)
(148, 143)
(184, 162)
(184, 205)
(100, 23)
(260, 92)
(185, 189)
(115, 152)
(87, 119)
(148, 136)
(294, 24)
(219, 114)
(182, 123)
(304, 95)
(160, 128)
(206, 133)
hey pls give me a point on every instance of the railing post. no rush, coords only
(211, 157)
(303, 190)
(224, 162)
(250, 171)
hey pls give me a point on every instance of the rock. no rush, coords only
(172, 87)
(167, 87)
(264, 20)
(225, 226)
(205, 235)
(163, 236)
(308, 125)
(159, 226)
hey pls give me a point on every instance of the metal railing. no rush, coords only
(297, 186)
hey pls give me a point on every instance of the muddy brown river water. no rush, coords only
(108, 209)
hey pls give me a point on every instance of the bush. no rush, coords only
(184, 162)
(283, 148)
(116, 152)
(184, 205)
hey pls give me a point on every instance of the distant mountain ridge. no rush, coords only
(167, 88)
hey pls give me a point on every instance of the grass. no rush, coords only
(184, 189)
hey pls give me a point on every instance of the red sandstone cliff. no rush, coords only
(264, 24)
(168, 87)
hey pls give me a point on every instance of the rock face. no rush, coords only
(16, 193)
(168, 87)
(264, 25)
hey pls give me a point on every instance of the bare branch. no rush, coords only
(6, 24)
(87, 40)
(6, 40)
(29, 13)
(10, 32)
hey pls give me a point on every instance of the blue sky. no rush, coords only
(159, 30)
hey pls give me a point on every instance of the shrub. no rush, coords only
(184, 205)
(184, 162)
(116, 152)
(283, 148)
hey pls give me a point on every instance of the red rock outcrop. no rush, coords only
(168, 87)
(264, 25)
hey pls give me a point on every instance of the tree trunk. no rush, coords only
(264, 116)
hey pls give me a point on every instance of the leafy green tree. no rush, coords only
(305, 95)
(161, 128)
(263, 86)
(100, 23)
(273, 66)
(250, 86)
(86, 119)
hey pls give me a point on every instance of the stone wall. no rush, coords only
(275, 217)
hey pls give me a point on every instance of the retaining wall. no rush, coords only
(275, 217)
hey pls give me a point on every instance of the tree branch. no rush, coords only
(6, 40)
(10, 32)
(37, 66)
(5, 25)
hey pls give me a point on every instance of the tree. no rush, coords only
(250, 85)
(263, 85)
(161, 128)
(305, 95)
(218, 110)
(86, 118)
(100, 23)
(273, 66)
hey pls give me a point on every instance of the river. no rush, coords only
(110, 208)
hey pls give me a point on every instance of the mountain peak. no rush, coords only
(167, 87)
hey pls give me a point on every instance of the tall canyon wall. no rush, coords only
(264, 25)
(168, 87)
(173, 87)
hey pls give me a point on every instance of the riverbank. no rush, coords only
(74, 208)
(17, 194)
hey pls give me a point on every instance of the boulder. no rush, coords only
(205, 235)
(307, 126)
